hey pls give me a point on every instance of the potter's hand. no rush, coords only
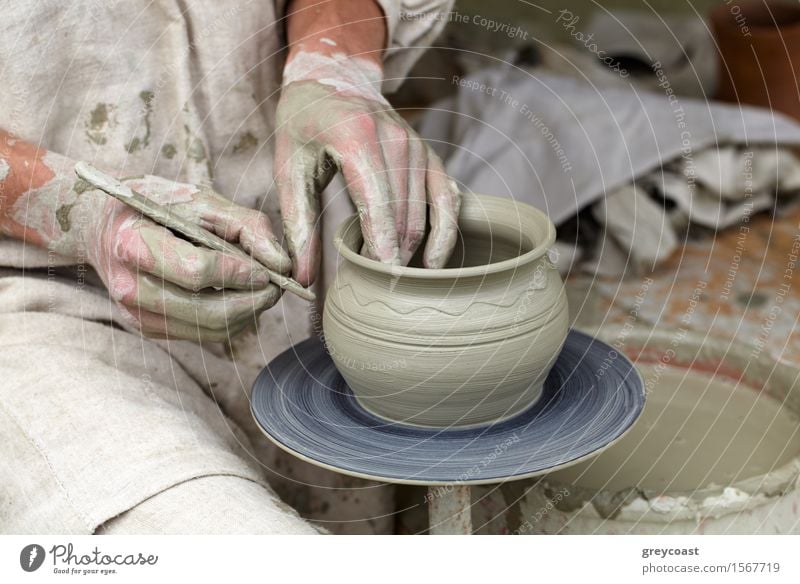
(164, 285)
(331, 116)
(169, 287)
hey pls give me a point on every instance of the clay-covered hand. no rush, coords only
(168, 287)
(332, 116)
(165, 285)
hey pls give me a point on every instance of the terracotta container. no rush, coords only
(460, 346)
(759, 48)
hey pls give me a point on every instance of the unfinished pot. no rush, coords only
(716, 451)
(468, 344)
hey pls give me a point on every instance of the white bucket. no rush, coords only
(716, 451)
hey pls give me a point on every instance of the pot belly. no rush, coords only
(447, 380)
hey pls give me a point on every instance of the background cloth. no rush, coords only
(564, 143)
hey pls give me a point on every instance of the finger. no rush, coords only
(445, 201)
(164, 191)
(212, 309)
(299, 204)
(394, 146)
(155, 325)
(366, 177)
(414, 233)
(253, 231)
(257, 239)
(147, 247)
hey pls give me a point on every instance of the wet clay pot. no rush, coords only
(468, 344)
(759, 49)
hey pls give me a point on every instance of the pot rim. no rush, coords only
(447, 273)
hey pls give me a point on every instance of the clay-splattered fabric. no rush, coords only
(95, 420)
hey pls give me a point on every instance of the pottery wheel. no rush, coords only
(591, 397)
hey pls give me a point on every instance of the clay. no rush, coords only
(202, 307)
(101, 119)
(478, 336)
(52, 212)
(362, 77)
(141, 142)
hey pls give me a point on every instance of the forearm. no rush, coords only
(40, 199)
(351, 27)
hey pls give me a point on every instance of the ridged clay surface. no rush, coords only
(460, 346)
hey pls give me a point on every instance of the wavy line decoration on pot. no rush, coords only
(478, 336)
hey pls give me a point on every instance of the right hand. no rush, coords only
(396, 182)
(168, 287)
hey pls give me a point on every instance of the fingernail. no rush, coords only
(278, 256)
(433, 258)
(405, 256)
(259, 279)
(284, 262)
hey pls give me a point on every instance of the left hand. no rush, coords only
(332, 116)
(168, 287)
